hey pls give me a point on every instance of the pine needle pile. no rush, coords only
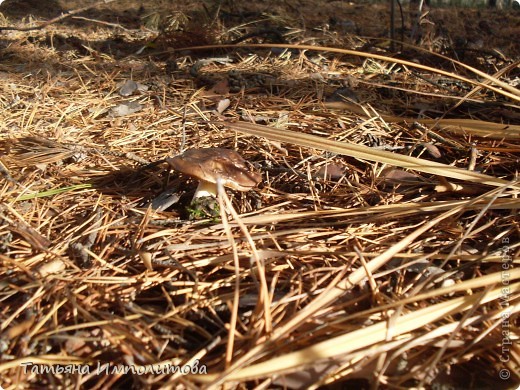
(380, 249)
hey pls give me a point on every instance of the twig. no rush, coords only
(115, 25)
(56, 19)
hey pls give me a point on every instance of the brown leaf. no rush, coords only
(331, 172)
(221, 87)
(399, 176)
(432, 149)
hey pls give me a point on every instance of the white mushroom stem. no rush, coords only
(205, 188)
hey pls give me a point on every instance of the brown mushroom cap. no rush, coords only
(211, 164)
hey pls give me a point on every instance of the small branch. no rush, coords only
(56, 19)
(115, 25)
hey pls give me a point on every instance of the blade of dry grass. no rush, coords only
(263, 296)
(470, 126)
(479, 128)
(392, 211)
(236, 292)
(366, 153)
(368, 336)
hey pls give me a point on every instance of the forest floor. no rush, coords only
(380, 248)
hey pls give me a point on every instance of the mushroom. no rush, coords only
(208, 165)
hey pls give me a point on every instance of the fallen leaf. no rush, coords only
(221, 87)
(128, 88)
(125, 108)
(222, 105)
(52, 267)
(432, 149)
(331, 172)
(399, 176)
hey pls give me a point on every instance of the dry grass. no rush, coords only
(399, 271)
